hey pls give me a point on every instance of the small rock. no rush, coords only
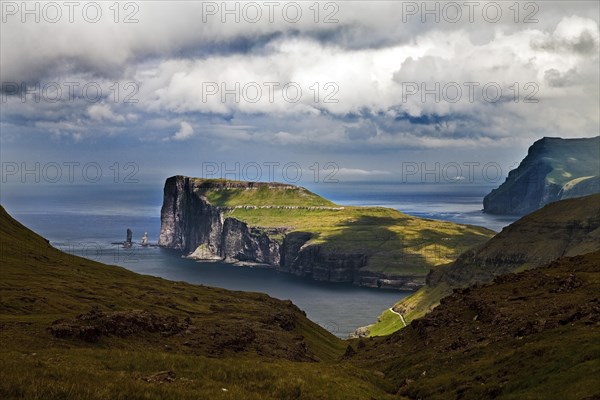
(161, 377)
(349, 352)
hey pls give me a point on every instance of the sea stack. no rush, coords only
(128, 242)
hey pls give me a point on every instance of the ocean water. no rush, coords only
(86, 219)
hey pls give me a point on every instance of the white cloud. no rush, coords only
(102, 112)
(185, 132)
(371, 79)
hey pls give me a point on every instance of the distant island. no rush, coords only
(291, 229)
(554, 169)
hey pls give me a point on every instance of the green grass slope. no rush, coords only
(571, 159)
(412, 307)
(531, 335)
(228, 193)
(71, 328)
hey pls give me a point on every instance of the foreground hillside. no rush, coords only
(532, 335)
(291, 229)
(566, 228)
(554, 169)
(71, 328)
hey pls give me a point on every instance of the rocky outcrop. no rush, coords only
(188, 220)
(554, 169)
(93, 325)
(190, 223)
(317, 262)
(240, 243)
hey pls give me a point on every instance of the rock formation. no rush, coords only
(190, 223)
(128, 242)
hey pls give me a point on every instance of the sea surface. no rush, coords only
(86, 219)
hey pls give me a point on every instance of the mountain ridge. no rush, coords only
(526, 335)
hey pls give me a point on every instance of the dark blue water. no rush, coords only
(85, 220)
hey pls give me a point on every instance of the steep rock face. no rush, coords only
(324, 264)
(188, 220)
(319, 263)
(554, 169)
(191, 224)
(239, 243)
(210, 220)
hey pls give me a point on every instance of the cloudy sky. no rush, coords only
(179, 87)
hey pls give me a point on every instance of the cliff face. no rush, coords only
(188, 220)
(239, 243)
(319, 263)
(191, 224)
(291, 229)
(554, 169)
(325, 264)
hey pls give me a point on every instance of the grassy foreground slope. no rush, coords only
(565, 228)
(531, 335)
(71, 328)
(395, 244)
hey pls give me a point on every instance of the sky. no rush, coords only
(291, 91)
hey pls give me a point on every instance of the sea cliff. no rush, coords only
(554, 169)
